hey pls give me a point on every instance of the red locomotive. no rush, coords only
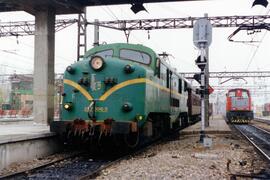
(238, 106)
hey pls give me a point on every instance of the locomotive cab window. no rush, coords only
(244, 94)
(136, 56)
(105, 53)
(231, 94)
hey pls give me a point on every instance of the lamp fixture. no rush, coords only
(137, 7)
(260, 2)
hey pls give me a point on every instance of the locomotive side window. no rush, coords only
(158, 67)
(163, 71)
(168, 78)
(105, 54)
(136, 56)
(180, 86)
(174, 82)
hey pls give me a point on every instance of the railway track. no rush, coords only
(24, 172)
(80, 166)
(258, 137)
(263, 120)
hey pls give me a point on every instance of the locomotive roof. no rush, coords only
(235, 89)
(116, 47)
(138, 47)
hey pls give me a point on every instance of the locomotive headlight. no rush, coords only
(68, 106)
(127, 107)
(129, 69)
(97, 63)
(70, 69)
(139, 117)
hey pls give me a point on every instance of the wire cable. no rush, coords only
(257, 47)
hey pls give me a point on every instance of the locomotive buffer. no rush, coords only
(202, 38)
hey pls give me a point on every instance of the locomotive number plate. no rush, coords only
(98, 109)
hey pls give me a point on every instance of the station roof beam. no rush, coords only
(65, 6)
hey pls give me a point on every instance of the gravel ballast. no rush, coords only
(187, 158)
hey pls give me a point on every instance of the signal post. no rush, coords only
(202, 38)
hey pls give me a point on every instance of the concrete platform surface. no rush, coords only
(23, 142)
(217, 125)
(20, 132)
(17, 121)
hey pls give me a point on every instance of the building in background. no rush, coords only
(21, 95)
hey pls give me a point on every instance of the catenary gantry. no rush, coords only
(21, 28)
(232, 74)
(187, 22)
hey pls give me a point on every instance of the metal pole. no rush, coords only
(82, 39)
(202, 133)
(96, 33)
(206, 102)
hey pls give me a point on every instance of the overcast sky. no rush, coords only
(17, 54)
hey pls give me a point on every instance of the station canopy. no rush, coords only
(65, 6)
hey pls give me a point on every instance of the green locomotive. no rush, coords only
(125, 90)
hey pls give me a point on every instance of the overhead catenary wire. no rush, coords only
(257, 47)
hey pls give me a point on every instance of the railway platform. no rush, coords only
(22, 142)
(217, 125)
(6, 121)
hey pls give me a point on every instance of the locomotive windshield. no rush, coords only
(105, 53)
(238, 93)
(244, 94)
(231, 94)
(136, 56)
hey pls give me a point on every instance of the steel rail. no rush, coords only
(138, 151)
(253, 143)
(262, 120)
(261, 129)
(95, 173)
(25, 171)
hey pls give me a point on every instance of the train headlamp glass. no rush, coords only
(127, 107)
(97, 63)
(139, 117)
(70, 69)
(68, 106)
(129, 69)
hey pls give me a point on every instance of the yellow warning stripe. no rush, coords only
(78, 87)
(119, 86)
